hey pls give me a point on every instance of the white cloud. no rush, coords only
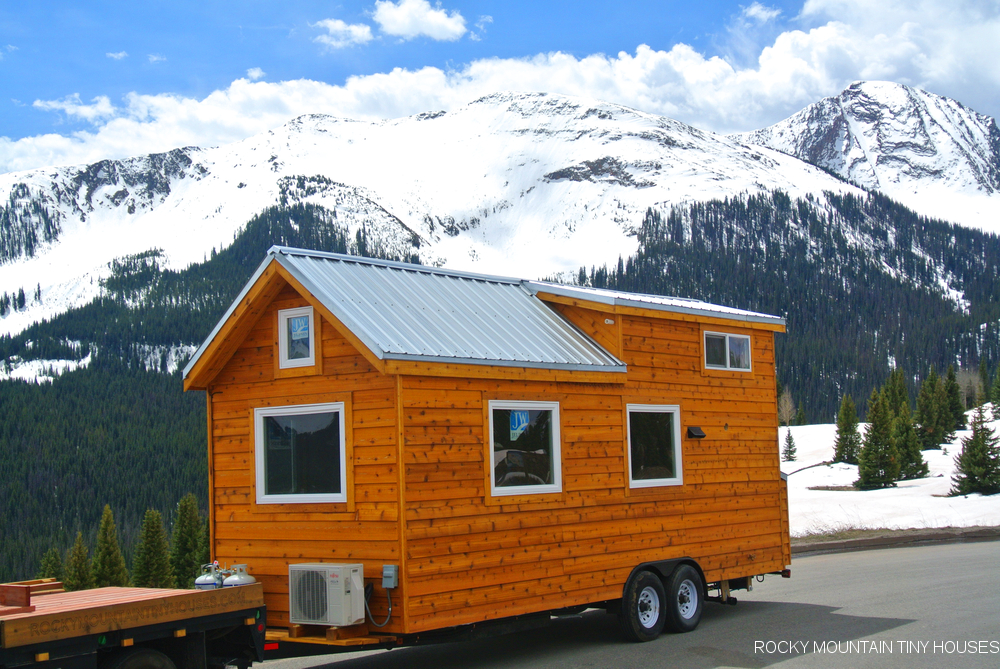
(117, 55)
(408, 19)
(100, 108)
(484, 21)
(156, 58)
(255, 73)
(760, 13)
(340, 34)
(947, 50)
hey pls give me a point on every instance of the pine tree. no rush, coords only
(878, 462)
(204, 547)
(956, 407)
(151, 565)
(995, 395)
(788, 453)
(946, 414)
(185, 542)
(800, 416)
(896, 394)
(904, 439)
(847, 444)
(928, 417)
(977, 466)
(109, 564)
(78, 574)
(51, 565)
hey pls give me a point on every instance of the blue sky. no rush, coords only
(84, 80)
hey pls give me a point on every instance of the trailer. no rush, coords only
(405, 454)
(44, 627)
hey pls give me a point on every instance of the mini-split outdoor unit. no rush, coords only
(326, 594)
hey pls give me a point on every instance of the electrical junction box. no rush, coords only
(390, 576)
(326, 594)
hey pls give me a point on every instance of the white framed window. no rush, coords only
(296, 338)
(727, 351)
(300, 454)
(524, 448)
(654, 445)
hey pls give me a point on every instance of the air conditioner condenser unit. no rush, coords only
(326, 594)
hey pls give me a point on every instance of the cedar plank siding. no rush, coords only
(469, 561)
(269, 537)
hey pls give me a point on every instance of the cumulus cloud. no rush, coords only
(760, 13)
(99, 109)
(340, 34)
(947, 50)
(255, 73)
(117, 55)
(156, 58)
(408, 19)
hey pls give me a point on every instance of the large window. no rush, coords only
(654, 445)
(524, 447)
(296, 340)
(727, 351)
(300, 454)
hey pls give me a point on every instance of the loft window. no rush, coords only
(525, 447)
(654, 445)
(727, 351)
(300, 454)
(296, 338)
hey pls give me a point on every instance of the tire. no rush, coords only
(643, 603)
(684, 599)
(139, 658)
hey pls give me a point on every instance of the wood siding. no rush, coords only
(270, 536)
(471, 557)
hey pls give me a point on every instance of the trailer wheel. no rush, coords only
(140, 658)
(641, 616)
(683, 599)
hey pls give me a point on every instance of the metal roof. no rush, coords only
(656, 302)
(402, 311)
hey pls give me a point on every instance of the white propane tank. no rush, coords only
(210, 578)
(239, 577)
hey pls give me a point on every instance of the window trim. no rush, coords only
(678, 445)
(283, 317)
(259, 414)
(726, 335)
(549, 488)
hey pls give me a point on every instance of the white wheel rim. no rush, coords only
(649, 607)
(687, 599)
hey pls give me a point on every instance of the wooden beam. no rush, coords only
(421, 368)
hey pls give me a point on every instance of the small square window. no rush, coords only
(524, 447)
(654, 445)
(300, 454)
(727, 351)
(296, 340)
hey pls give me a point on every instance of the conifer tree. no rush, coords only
(995, 395)
(185, 542)
(896, 394)
(151, 565)
(904, 439)
(956, 407)
(928, 416)
(977, 466)
(878, 462)
(788, 453)
(204, 544)
(946, 415)
(78, 574)
(800, 415)
(848, 442)
(109, 564)
(51, 565)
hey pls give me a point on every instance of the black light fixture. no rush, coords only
(696, 433)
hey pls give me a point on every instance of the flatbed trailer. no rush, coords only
(44, 627)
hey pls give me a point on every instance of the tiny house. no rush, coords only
(493, 447)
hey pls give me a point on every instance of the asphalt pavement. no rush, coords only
(924, 606)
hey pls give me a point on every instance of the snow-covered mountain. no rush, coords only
(929, 152)
(517, 184)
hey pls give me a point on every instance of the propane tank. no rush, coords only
(210, 578)
(239, 577)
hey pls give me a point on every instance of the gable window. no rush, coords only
(296, 340)
(300, 454)
(525, 447)
(727, 351)
(654, 445)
